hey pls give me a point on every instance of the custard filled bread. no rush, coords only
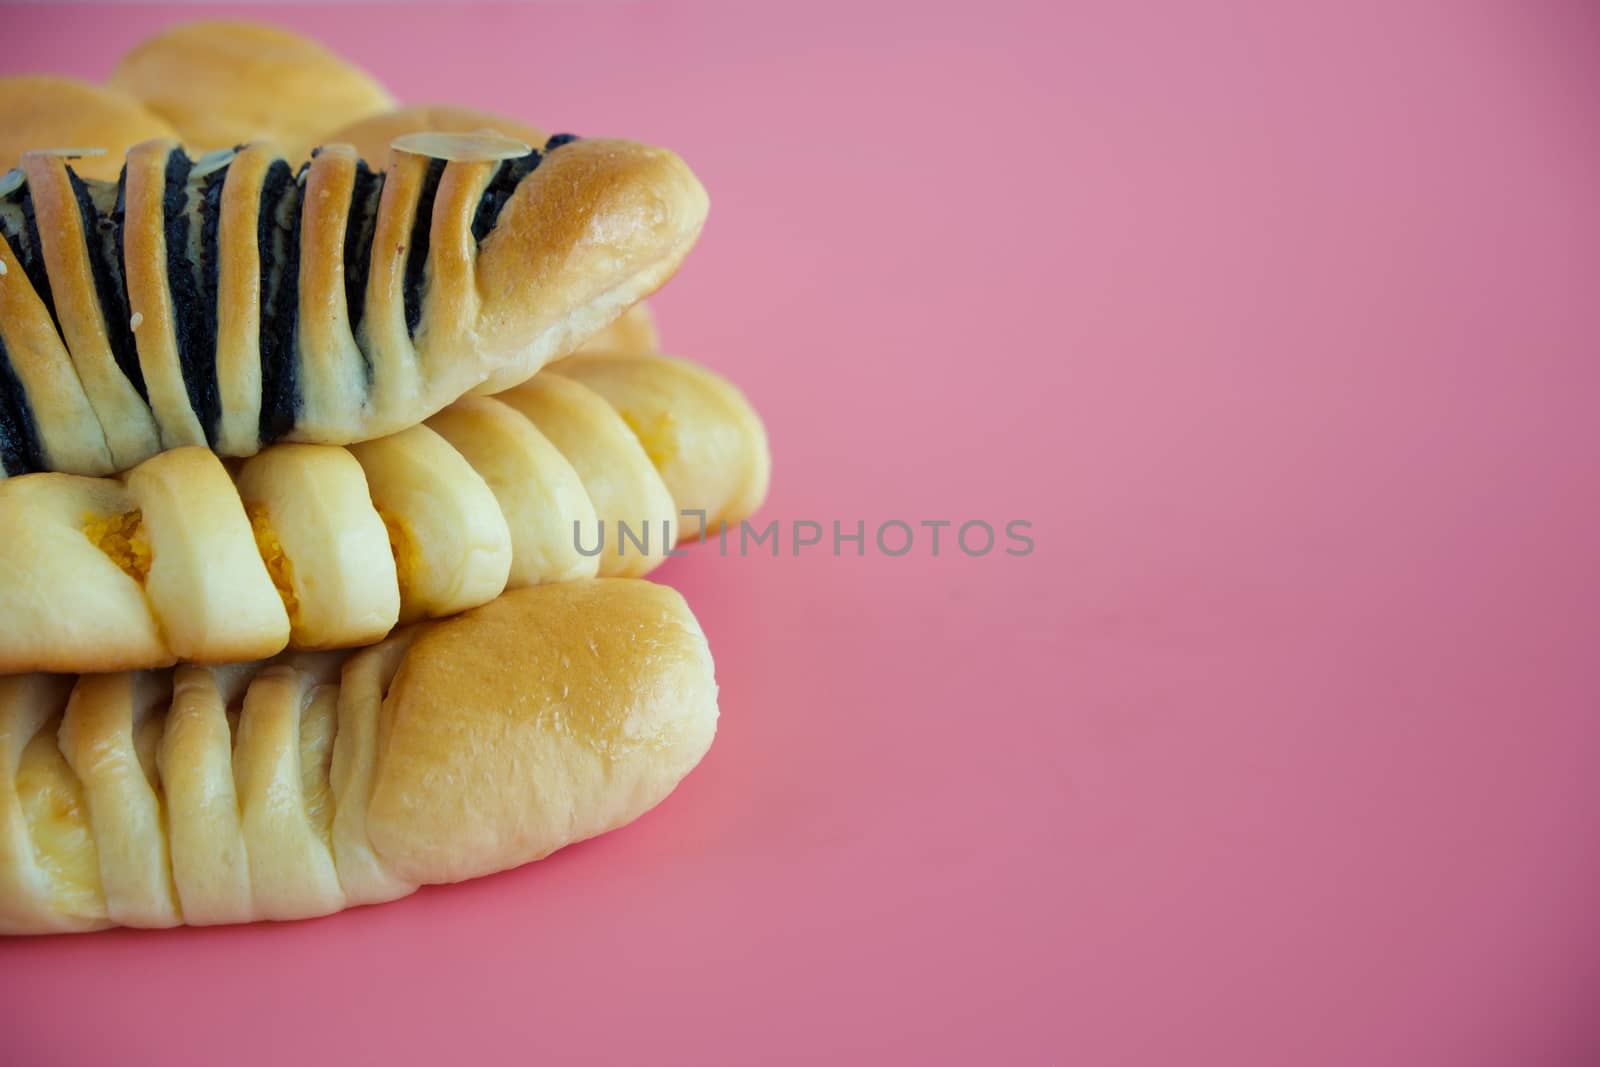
(313, 783)
(221, 83)
(229, 303)
(319, 546)
(700, 432)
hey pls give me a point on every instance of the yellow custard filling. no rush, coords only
(279, 567)
(657, 436)
(404, 547)
(121, 537)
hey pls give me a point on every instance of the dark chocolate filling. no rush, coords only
(16, 238)
(505, 182)
(119, 219)
(417, 247)
(278, 244)
(19, 441)
(209, 204)
(192, 312)
(100, 238)
(359, 227)
(499, 190)
(32, 258)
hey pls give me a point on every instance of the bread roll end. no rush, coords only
(546, 717)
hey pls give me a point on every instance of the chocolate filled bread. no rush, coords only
(230, 302)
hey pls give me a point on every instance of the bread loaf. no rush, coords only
(223, 82)
(229, 302)
(311, 783)
(318, 546)
(45, 111)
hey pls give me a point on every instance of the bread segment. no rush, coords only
(308, 784)
(334, 373)
(325, 546)
(451, 545)
(150, 300)
(627, 490)
(46, 391)
(70, 579)
(125, 422)
(548, 511)
(49, 871)
(239, 274)
(210, 870)
(207, 582)
(98, 734)
(292, 872)
(697, 429)
(363, 684)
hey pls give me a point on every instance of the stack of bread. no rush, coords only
(334, 446)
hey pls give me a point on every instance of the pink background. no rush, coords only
(1281, 328)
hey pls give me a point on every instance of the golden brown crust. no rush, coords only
(69, 433)
(129, 430)
(44, 111)
(453, 308)
(372, 136)
(239, 301)
(333, 370)
(305, 785)
(550, 767)
(223, 83)
(396, 365)
(632, 331)
(592, 228)
(594, 212)
(155, 331)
